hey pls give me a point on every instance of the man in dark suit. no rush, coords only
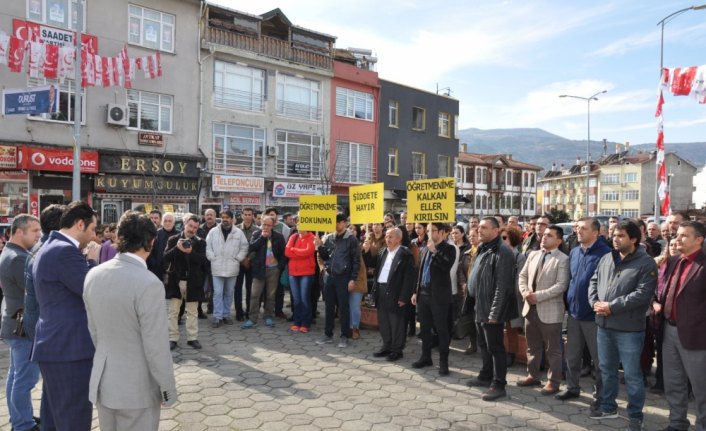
(683, 303)
(62, 344)
(393, 284)
(433, 296)
(185, 261)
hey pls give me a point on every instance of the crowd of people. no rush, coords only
(83, 304)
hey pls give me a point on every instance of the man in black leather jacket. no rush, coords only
(492, 283)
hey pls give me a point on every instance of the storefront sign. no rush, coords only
(152, 165)
(33, 100)
(367, 203)
(146, 184)
(227, 183)
(293, 190)
(34, 204)
(55, 160)
(32, 31)
(317, 213)
(8, 157)
(241, 199)
(430, 201)
(150, 139)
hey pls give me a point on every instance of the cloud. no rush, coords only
(652, 38)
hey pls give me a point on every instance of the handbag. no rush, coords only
(19, 329)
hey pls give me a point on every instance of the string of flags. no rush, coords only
(57, 62)
(679, 81)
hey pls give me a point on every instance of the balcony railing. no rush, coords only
(268, 46)
(294, 168)
(419, 176)
(237, 165)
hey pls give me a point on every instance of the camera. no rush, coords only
(186, 243)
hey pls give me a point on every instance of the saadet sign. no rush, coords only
(55, 160)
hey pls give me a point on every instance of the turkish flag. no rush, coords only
(36, 59)
(16, 54)
(107, 67)
(51, 61)
(682, 80)
(98, 69)
(4, 46)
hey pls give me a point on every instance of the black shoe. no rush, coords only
(422, 362)
(281, 315)
(476, 382)
(181, 321)
(394, 356)
(412, 332)
(240, 318)
(567, 395)
(202, 316)
(381, 353)
(444, 369)
(172, 345)
(494, 393)
(194, 343)
(671, 429)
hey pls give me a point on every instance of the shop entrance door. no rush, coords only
(111, 211)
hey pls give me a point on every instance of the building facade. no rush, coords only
(152, 123)
(264, 122)
(354, 122)
(565, 189)
(418, 138)
(699, 197)
(489, 184)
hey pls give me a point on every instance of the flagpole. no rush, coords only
(76, 183)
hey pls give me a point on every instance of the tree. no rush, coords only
(558, 216)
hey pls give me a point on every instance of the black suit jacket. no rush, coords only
(440, 271)
(400, 280)
(691, 303)
(180, 265)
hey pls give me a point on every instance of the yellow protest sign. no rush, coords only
(367, 203)
(317, 213)
(431, 201)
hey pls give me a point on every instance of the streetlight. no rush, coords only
(665, 20)
(588, 141)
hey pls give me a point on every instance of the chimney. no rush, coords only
(464, 148)
(578, 160)
(617, 148)
(553, 166)
(627, 145)
(605, 147)
(508, 156)
(561, 167)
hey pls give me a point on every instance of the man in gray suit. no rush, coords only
(132, 369)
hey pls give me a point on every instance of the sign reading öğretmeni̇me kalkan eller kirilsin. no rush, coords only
(431, 201)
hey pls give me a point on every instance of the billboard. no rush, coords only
(34, 100)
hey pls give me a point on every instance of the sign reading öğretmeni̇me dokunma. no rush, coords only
(317, 213)
(431, 201)
(34, 100)
(367, 203)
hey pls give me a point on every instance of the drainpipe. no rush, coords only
(202, 9)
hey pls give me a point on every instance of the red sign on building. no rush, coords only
(56, 160)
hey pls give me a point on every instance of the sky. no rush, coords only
(507, 62)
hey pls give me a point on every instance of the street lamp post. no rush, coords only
(588, 140)
(661, 23)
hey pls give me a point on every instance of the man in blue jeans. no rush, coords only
(22, 374)
(620, 293)
(341, 252)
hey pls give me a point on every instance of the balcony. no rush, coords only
(496, 187)
(268, 47)
(244, 165)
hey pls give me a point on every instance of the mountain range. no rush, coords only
(542, 148)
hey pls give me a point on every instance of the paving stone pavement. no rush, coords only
(271, 379)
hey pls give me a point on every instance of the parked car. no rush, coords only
(568, 228)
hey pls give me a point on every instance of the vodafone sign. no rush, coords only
(49, 159)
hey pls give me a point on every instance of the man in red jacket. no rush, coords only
(684, 345)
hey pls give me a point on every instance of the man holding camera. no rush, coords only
(185, 259)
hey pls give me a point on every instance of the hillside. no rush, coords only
(542, 148)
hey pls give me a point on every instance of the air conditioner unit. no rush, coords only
(272, 151)
(117, 115)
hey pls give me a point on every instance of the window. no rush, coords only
(238, 150)
(354, 104)
(151, 28)
(444, 166)
(592, 182)
(298, 97)
(419, 168)
(393, 113)
(239, 87)
(444, 124)
(631, 213)
(525, 177)
(354, 163)
(610, 212)
(611, 196)
(611, 178)
(150, 111)
(456, 126)
(480, 176)
(419, 118)
(631, 195)
(299, 155)
(470, 174)
(55, 12)
(630, 177)
(592, 199)
(66, 97)
(393, 161)
(508, 178)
